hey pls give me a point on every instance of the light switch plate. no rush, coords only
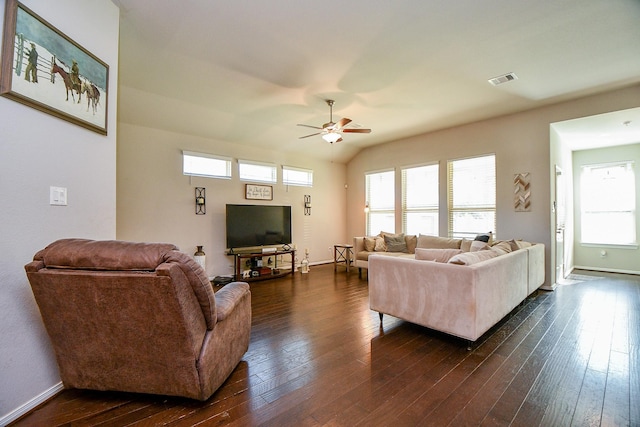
(58, 196)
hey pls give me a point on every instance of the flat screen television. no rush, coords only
(258, 225)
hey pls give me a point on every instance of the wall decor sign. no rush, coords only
(522, 192)
(43, 68)
(258, 192)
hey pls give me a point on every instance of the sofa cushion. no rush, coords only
(380, 246)
(437, 242)
(396, 243)
(469, 258)
(437, 255)
(465, 245)
(369, 244)
(502, 248)
(478, 245)
(412, 242)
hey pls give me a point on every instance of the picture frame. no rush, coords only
(43, 68)
(258, 192)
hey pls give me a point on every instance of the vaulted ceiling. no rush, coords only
(249, 72)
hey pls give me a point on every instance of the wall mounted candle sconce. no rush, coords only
(307, 204)
(201, 207)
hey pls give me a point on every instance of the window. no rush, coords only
(420, 200)
(608, 204)
(256, 171)
(380, 194)
(472, 196)
(297, 176)
(208, 165)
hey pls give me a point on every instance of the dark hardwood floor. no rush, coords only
(318, 356)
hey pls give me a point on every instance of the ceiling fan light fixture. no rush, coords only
(331, 137)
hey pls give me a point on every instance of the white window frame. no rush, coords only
(599, 200)
(478, 184)
(297, 176)
(372, 207)
(249, 170)
(197, 164)
(430, 187)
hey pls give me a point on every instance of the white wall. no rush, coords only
(521, 143)
(38, 151)
(156, 201)
(617, 258)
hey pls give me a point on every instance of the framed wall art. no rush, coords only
(258, 192)
(522, 192)
(43, 68)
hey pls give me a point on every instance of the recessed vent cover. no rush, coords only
(503, 79)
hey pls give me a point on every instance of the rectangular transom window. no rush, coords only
(208, 165)
(420, 200)
(297, 176)
(608, 204)
(257, 171)
(380, 201)
(472, 196)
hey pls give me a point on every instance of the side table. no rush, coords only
(342, 253)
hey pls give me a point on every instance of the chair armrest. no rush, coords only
(228, 298)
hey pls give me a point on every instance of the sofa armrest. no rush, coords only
(536, 267)
(228, 297)
(358, 244)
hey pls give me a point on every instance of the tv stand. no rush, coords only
(258, 265)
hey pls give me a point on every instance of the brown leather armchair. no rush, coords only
(138, 317)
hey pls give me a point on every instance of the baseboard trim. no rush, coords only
(606, 270)
(31, 404)
(551, 287)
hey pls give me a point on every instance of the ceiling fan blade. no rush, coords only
(356, 130)
(307, 136)
(309, 126)
(342, 123)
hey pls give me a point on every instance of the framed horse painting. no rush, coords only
(43, 68)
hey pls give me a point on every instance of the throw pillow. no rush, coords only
(412, 242)
(380, 246)
(465, 245)
(522, 244)
(437, 242)
(478, 245)
(485, 237)
(437, 255)
(395, 243)
(369, 244)
(469, 258)
(502, 248)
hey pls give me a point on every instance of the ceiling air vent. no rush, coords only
(503, 79)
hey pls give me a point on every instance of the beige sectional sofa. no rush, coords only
(462, 293)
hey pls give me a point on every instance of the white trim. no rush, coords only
(31, 404)
(606, 270)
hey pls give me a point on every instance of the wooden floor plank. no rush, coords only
(319, 357)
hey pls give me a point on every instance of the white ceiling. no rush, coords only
(247, 72)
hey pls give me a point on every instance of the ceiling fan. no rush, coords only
(332, 132)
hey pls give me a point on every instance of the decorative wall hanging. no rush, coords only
(307, 204)
(201, 201)
(258, 192)
(522, 192)
(46, 70)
